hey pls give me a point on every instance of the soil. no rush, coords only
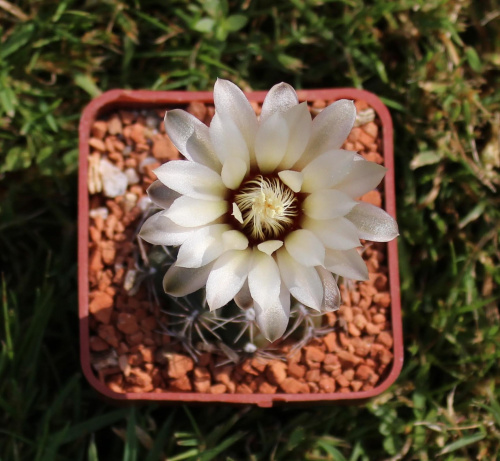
(130, 351)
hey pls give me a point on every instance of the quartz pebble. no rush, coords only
(132, 176)
(114, 181)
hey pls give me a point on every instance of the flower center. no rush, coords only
(268, 208)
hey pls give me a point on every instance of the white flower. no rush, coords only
(264, 209)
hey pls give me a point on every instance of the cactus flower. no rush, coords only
(264, 208)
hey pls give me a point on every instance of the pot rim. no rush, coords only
(140, 98)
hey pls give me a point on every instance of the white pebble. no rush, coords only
(144, 203)
(114, 181)
(129, 201)
(146, 161)
(132, 176)
(101, 212)
(250, 348)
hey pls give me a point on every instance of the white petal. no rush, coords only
(227, 140)
(271, 143)
(373, 223)
(180, 281)
(263, 278)
(331, 292)
(227, 277)
(305, 248)
(191, 137)
(347, 263)
(327, 170)
(272, 318)
(303, 282)
(244, 299)
(338, 233)
(202, 246)
(327, 204)
(159, 230)
(293, 179)
(363, 177)
(191, 179)
(161, 195)
(191, 212)
(270, 246)
(330, 129)
(237, 213)
(230, 102)
(233, 172)
(234, 240)
(280, 98)
(299, 122)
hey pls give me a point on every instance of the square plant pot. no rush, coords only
(125, 354)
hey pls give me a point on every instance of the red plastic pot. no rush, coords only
(125, 99)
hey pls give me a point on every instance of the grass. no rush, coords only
(434, 63)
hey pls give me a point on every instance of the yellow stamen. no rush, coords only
(268, 207)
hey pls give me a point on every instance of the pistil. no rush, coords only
(268, 208)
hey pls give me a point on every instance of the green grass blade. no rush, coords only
(462, 443)
(208, 455)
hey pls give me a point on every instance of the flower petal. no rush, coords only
(202, 246)
(330, 129)
(331, 292)
(191, 212)
(160, 230)
(299, 122)
(191, 137)
(227, 277)
(327, 170)
(237, 213)
(280, 98)
(272, 318)
(303, 282)
(270, 246)
(338, 233)
(191, 179)
(180, 281)
(161, 195)
(227, 140)
(271, 143)
(244, 299)
(347, 263)
(363, 177)
(373, 223)
(293, 179)
(233, 172)
(305, 248)
(327, 204)
(231, 103)
(234, 240)
(263, 278)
